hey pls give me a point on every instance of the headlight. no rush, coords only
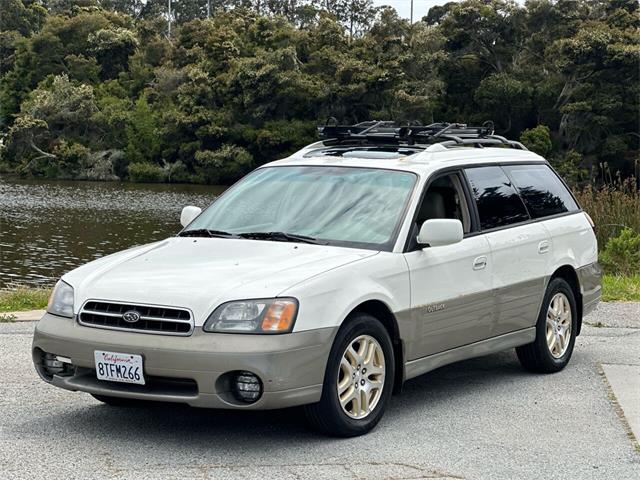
(266, 315)
(61, 300)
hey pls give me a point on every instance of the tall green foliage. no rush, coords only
(97, 89)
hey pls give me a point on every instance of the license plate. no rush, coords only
(119, 367)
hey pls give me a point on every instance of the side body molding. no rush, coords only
(477, 349)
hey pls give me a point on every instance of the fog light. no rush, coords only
(247, 387)
(51, 364)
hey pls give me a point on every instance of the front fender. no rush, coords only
(327, 299)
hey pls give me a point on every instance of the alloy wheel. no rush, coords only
(361, 376)
(558, 329)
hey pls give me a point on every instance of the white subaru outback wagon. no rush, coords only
(329, 278)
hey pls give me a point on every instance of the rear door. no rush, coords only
(520, 248)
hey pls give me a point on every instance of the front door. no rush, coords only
(451, 286)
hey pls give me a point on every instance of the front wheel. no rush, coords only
(555, 331)
(358, 380)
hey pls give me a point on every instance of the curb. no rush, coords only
(25, 316)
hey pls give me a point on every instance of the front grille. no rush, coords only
(152, 319)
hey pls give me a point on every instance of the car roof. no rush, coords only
(422, 163)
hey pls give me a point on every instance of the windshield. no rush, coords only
(359, 207)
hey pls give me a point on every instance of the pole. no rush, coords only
(208, 8)
(169, 3)
(411, 12)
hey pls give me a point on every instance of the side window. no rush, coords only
(497, 200)
(444, 198)
(541, 189)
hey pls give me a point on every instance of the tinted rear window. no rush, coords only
(497, 200)
(541, 189)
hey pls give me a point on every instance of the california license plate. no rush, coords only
(119, 367)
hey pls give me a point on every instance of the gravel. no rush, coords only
(616, 314)
(480, 419)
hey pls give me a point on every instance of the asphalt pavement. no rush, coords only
(480, 419)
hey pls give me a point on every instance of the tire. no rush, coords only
(120, 401)
(361, 331)
(550, 356)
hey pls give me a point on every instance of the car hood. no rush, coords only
(201, 273)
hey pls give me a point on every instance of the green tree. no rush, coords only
(222, 165)
(538, 140)
(144, 142)
(112, 48)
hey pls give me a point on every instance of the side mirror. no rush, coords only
(188, 214)
(438, 232)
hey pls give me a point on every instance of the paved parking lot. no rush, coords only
(483, 418)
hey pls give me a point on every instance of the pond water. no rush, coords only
(50, 227)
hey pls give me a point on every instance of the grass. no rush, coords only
(619, 288)
(7, 318)
(23, 298)
(612, 207)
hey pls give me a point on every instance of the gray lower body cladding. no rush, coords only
(590, 279)
(290, 366)
(482, 323)
(468, 319)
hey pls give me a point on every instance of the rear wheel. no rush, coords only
(555, 331)
(358, 379)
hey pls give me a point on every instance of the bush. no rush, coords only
(146, 173)
(612, 207)
(537, 140)
(622, 253)
(223, 165)
(568, 165)
(70, 158)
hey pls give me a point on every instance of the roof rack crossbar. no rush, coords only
(482, 142)
(448, 134)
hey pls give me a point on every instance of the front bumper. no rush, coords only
(291, 366)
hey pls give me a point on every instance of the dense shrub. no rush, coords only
(223, 165)
(612, 207)
(146, 173)
(537, 140)
(622, 253)
(69, 161)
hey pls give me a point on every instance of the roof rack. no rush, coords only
(388, 132)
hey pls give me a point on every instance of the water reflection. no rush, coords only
(50, 227)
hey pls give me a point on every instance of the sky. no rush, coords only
(420, 7)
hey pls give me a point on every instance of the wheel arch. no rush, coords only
(569, 274)
(381, 311)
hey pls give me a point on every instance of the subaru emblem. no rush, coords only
(131, 316)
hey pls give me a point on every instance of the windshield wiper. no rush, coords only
(281, 237)
(205, 232)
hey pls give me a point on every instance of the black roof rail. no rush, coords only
(389, 132)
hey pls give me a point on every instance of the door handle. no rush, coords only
(543, 247)
(480, 262)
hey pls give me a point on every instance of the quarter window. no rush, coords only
(498, 202)
(541, 189)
